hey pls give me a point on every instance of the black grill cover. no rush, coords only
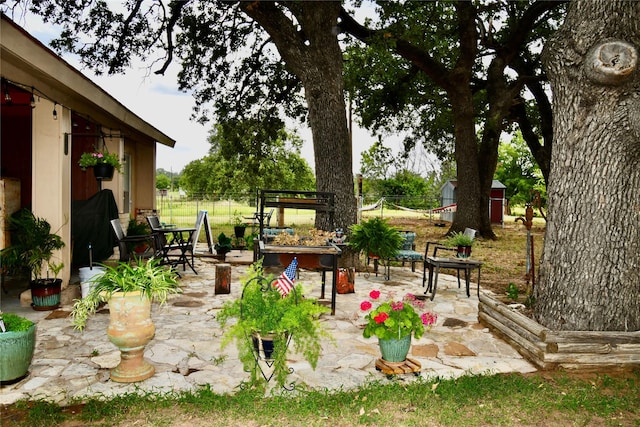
(90, 225)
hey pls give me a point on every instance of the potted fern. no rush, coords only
(376, 238)
(265, 323)
(462, 242)
(129, 290)
(32, 250)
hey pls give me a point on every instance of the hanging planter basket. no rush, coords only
(103, 171)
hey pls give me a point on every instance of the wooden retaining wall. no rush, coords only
(550, 349)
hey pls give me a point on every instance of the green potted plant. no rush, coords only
(394, 322)
(129, 290)
(32, 248)
(137, 228)
(102, 161)
(17, 342)
(462, 241)
(375, 237)
(224, 245)
(266, 322)
(238, 226)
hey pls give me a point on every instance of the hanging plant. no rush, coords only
(99, 157)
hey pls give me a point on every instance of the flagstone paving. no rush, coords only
(186, 349)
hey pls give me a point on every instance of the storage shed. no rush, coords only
(496, 202)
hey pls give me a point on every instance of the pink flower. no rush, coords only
(380, 318)
(418, 304)
(375, 294)
(397, 305)
(428, 318)
(365, 305)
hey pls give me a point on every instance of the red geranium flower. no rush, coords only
(395, 318)
(380, 318)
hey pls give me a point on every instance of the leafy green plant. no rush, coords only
(376, 237)
(137, 228)
(149, 277)
(32, 246)
(237, 220)
(263, 309)
(396, 319)
(249, 240)
(98, 157)
(224, 244)
(14, 323)
(459, 239)
(513, 292)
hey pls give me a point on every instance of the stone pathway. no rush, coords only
(186, 349)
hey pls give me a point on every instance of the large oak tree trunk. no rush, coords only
(472, 194)
(312, 53)
(590, 270)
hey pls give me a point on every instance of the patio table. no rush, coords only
(436, 263)
(176, 238)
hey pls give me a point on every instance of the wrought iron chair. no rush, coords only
(177, 250)
(127, 244)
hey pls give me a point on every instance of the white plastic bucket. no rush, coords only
(85, 288)
(87, 273)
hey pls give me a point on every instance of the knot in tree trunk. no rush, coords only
(611, 62)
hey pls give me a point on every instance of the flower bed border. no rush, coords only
(549, 349)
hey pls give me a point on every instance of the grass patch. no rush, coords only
(542, 399)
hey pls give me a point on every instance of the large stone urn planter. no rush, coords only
(130, 329)
(549, 349)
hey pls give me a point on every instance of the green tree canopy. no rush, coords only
(242, 159)
(163, 182)
(440, 70)
(518, 171)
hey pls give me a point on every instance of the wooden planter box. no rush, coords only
(548, 349)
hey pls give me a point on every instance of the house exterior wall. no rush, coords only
(143, 176)
(27, 64)
(51, 176)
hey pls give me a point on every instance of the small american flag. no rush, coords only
(284, 284)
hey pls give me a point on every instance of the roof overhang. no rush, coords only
(29, 63)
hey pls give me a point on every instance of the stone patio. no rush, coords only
(186, 349)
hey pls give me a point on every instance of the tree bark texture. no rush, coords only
(311, 51)
(590, 268)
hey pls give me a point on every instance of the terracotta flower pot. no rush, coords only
(130, 329)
